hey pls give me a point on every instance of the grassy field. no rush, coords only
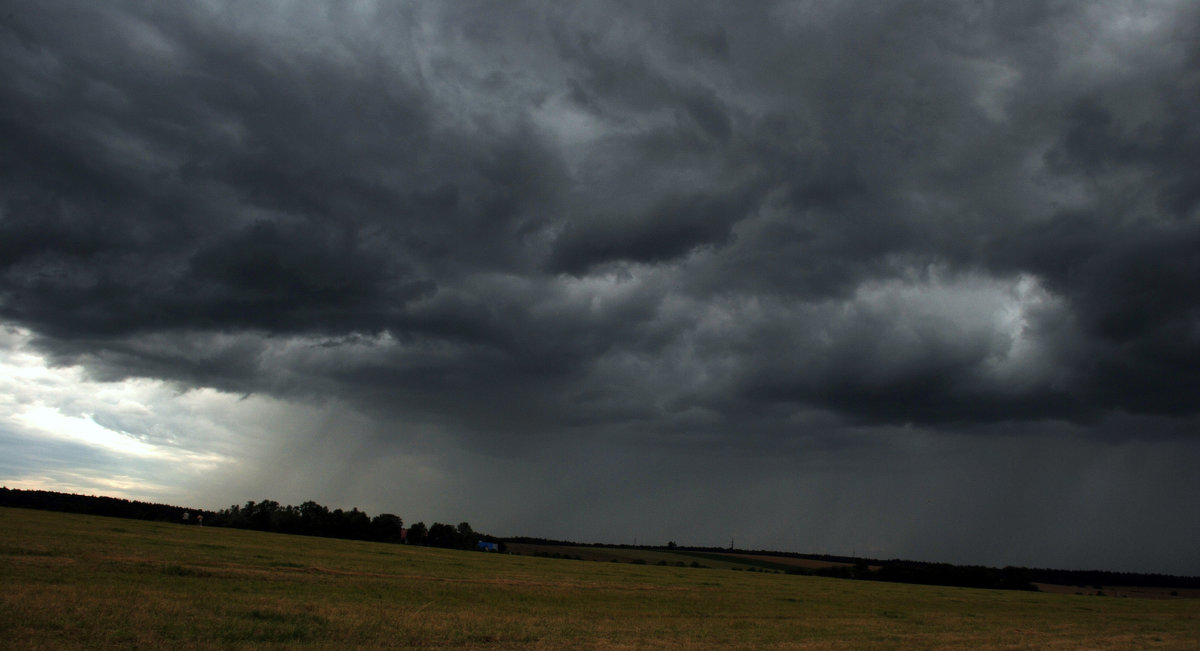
(71, 581)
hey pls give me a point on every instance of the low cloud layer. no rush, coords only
(630, 261)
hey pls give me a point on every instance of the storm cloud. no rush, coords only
(812, 268)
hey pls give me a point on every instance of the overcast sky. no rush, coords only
(895, 279)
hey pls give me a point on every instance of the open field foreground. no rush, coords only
(73, 581)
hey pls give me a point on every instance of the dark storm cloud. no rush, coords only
(667, 232)
(538, 219)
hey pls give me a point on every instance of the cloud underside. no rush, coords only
(536, 222)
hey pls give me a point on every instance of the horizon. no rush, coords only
(914, 281)
(669, 544)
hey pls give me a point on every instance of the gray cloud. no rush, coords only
(693, 232)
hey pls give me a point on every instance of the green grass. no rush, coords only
(71, 581)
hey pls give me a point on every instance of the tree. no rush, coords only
(358, 525)
(262, 515)
(353, 524)
(441, 535)
(467, 538)
(314, 519)
(287, 520)
(417, 534)
(386, 527)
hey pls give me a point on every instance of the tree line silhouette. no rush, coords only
(310, 519)
(92, 505)
(307, 519)
(313, 519)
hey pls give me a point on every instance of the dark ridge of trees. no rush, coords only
(417, 534)
(452, 537)
(1100, 577)
(964, 576)
(1008, 578)
(530, 540)
(311, 519)
(113, 507)
(920, 572)
(308, 519)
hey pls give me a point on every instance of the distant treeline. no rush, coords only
(963, 576)
(312, 519)
(92, 505)
(1094, 578)
(309, 519)
(1008, 578)
(902, 571)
